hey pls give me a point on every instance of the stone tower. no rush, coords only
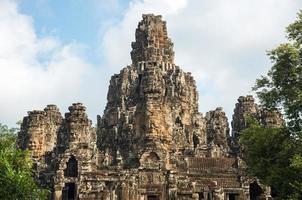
(151, 143)
(152, 104)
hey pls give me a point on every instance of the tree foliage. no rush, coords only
(275, 155)
(16, 181)
(269, 153)
(282, 87)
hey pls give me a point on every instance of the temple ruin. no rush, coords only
(151, 143)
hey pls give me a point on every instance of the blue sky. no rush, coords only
(60, 52)
(75, 20)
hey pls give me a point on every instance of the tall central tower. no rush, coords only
(152, 104)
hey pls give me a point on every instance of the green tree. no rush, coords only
(16, 180)
(275, 155)
(282, 87)
(269, 152)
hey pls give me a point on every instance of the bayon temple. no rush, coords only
(151, 143)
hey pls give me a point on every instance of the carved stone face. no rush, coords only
(35, 146)
(32, 144)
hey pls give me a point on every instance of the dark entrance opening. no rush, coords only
(233, 197)
(195, 141)
(200, 196)
(72, 168)
(255, 191)
(210, 196)
(152, 197)
(69, 191)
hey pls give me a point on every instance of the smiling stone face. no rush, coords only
(39, 131)
(36, 146)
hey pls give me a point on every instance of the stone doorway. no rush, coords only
(256, 191)
(153, 197)
(69, 191)
(200, 196)
(71, 168)
(233, 196)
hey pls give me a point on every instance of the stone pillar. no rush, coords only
(58, 195)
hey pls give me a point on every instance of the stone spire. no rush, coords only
(246, 107)
(39, 131)
(152, 104)
(151, 41)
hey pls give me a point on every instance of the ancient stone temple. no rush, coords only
(151, 143)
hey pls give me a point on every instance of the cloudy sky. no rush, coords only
(60, 52)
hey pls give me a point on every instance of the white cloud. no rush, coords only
(223, 43)
(39, 71)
